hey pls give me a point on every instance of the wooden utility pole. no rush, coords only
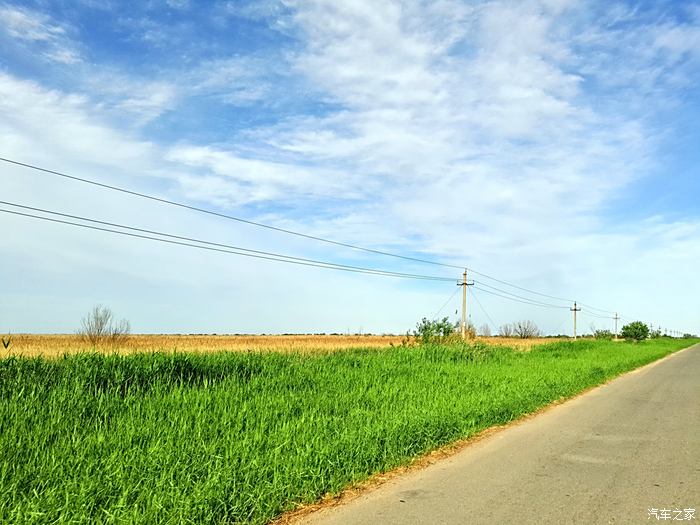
(464, 285)
(575, 309)
(617, 318)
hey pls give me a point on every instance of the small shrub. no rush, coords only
(526, 329)
(435, 331)
(635, 331)
(605, 335)
(485, 330)
(406, 341)
(440, 331)
(506, 330)
(99, 327)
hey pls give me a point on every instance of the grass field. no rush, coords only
(29, 345)
(236, 437)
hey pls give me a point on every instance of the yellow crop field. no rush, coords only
(56, 345)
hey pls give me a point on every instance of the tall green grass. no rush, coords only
(229, 438)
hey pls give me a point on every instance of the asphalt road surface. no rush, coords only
(627, 452)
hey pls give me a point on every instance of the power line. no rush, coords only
(272, 256)
(630, 319)
(495, 326)
(597, 309)
(541, 305)
(220, 245)
(534, 301)
(446, 303)
(237, 250)
(544, 295)
(520, 287)
(282, 230)
(590, 314)
(233, 250)
(223, 215)
(561, 325)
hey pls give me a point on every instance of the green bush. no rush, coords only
(435, 331)
(635, 331)
(605, 335)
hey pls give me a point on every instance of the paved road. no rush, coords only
(605, 457)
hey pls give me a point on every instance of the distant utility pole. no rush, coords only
(617, 318)
(575, 309)
(464, 285)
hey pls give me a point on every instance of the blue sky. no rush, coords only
(552, 144)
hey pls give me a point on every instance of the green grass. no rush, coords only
(228, 438)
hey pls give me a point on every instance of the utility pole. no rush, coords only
(575, 309)
(464, 285)
(617, 318)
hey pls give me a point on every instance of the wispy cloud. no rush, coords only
(504, 121)
(25, 25)
(69, 127)
(130, 99)
(239, 180)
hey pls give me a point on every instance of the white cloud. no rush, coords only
(28, 25)
(63, 56)
(134, 100)
(239, 81)
(178, 4)
(35, 28)
(434, 126)
(255, 10)
(678, 40)
(67, 126)
(239, 180)
(147, 100)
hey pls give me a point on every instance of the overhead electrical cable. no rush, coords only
(190, 239)
(541, 305)
(495, 326)
(206, 245)
(520, 287)
(594, 308)
(446, 303)
(224, 215)
(591, 314)
(278, 229)
(534, 301)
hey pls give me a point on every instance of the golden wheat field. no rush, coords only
(55, 345)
